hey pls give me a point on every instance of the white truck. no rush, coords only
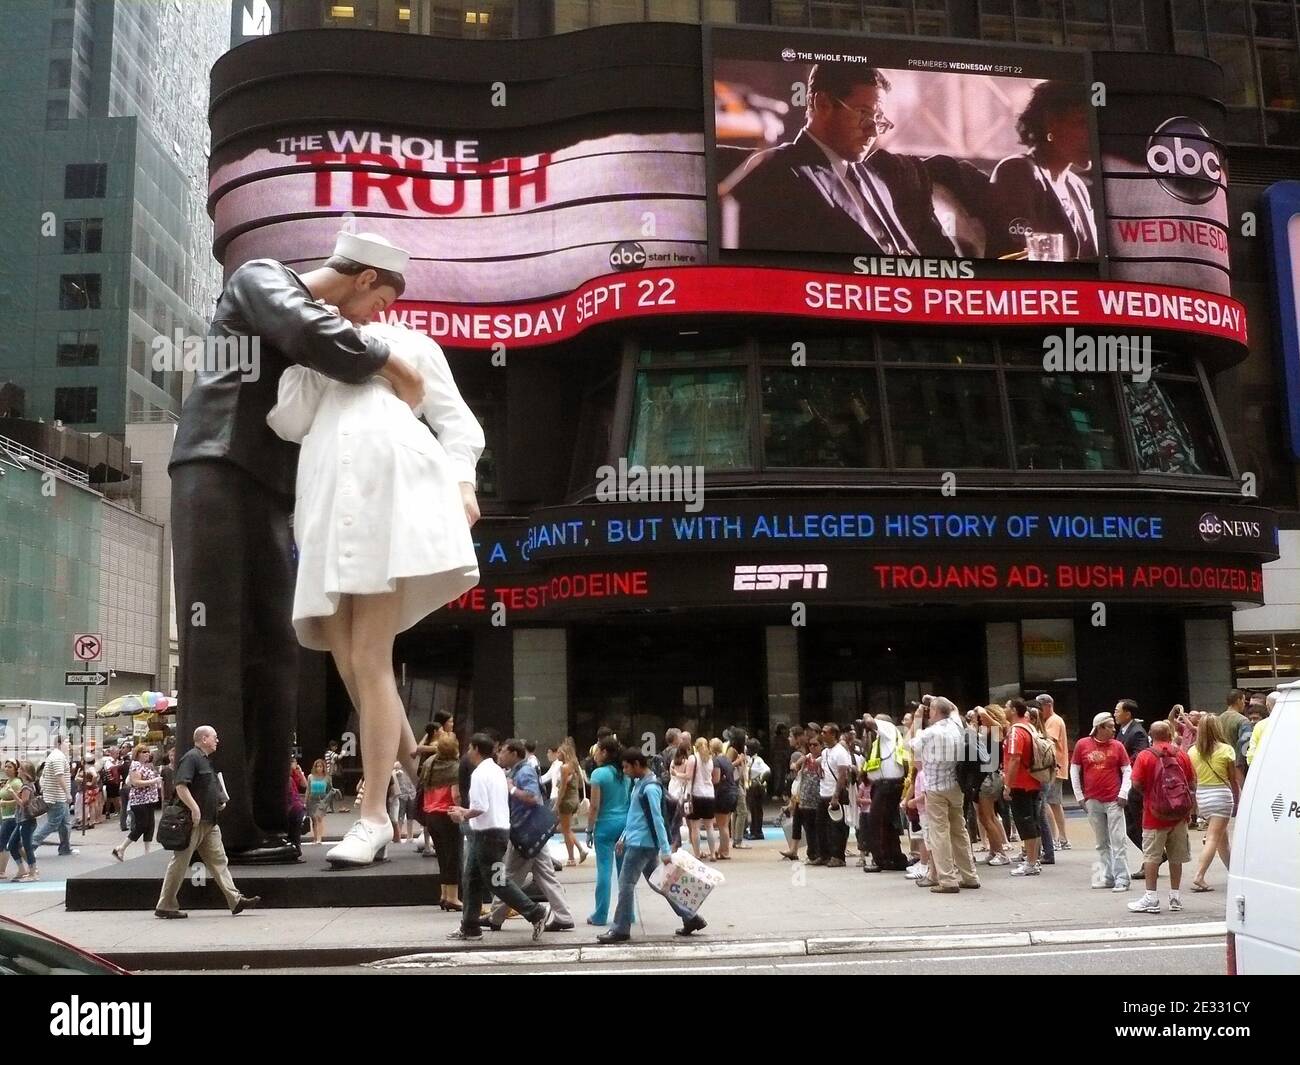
(28, 725)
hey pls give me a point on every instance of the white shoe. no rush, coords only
(1148, 903)
(999, 859)
(915, 872)
(1025, 869)
(364, 844)
(1175, 904)
(1120, 887)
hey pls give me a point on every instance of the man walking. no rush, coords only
(940, 747)
(1167, 780)
(1135, 740)
(197, 787)
(56, 790)
(526, 793)
(1054, 728)
(886, 770)
(488, 818)
(1100, 775)
(644, 843)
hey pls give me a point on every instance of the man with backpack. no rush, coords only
(1024, 782)
(1165, 776)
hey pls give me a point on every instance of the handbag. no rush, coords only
(37, 806)
(175, 827)
(529, 834)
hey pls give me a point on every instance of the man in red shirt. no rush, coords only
(1099, 773)
(1163, 835)
(1021, 788)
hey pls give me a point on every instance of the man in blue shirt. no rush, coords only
(526, 793)
(643, 843)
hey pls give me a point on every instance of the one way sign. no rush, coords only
(86, 680)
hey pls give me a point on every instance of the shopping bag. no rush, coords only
(686, 881)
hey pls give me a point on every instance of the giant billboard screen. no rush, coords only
(902, 147)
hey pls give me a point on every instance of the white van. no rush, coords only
(26, 726)
(1264, 880)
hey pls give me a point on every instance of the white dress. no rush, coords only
(378, 505)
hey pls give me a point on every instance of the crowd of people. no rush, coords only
(939, 796)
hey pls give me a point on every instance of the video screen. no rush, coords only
(898, 147)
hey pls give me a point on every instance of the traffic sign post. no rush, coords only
(87, 646)
(85, 642)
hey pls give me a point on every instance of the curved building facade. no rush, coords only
(772, 441)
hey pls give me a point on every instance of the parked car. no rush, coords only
(27, 951)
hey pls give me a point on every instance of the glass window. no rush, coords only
(1226, 16)
(1189, 15)
(1039, 21)
(1129, 12)
(1274, 20)
(93, 233)
(817, 349)
(1065, 422)
(139, 356)
(825, 418)
(956, 351)
(85, 181)
(61, 33)
(1286, 646)
(608, 12)
(674, 10)
(56, 114)
(60, 73)
(1282, 127)
(1279, 71)
(78, 347)
(1237, 60)
(692, 417)
(571, 15)
(1252, 657)
(71, 236)
(720, 10)
(79, 292)
(76, 405)
(946, 419)
(836, 14)
(1172, 427)
(789, 13)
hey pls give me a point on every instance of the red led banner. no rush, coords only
(698, 290)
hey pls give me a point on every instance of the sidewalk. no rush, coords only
(764, 899)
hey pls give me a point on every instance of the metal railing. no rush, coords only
(19, 451)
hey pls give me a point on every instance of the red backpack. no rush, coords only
(1169, 796)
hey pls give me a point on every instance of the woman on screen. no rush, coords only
(1048, 205)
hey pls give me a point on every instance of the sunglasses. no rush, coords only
(868, 118)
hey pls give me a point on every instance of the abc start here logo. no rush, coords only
(629, 255)
(1185, 160)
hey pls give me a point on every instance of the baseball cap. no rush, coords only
(1102, 719)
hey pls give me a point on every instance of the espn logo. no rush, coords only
(774, 578)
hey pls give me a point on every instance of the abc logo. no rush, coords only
(1210, 528)
(1185, 161)
(788, 54)
(627, 256)
(1020, 227)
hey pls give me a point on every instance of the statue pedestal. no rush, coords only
(406, 879)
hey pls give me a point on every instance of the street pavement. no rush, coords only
(767, 909)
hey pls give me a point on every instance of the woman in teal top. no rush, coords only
(610, 792)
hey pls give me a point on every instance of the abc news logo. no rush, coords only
(780, 578)
(1213, 528)
(1185, 160)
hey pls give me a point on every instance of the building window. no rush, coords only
(78, 347)
(1065, 422)
(60, 74)
(79, 292)
(1173, 429)
(946, 419)
(61, 33)
(76, 406)
(56, 114)
(85, 181)
(83, 235)
(822, 418)
(692, 417)
(1266, 659)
